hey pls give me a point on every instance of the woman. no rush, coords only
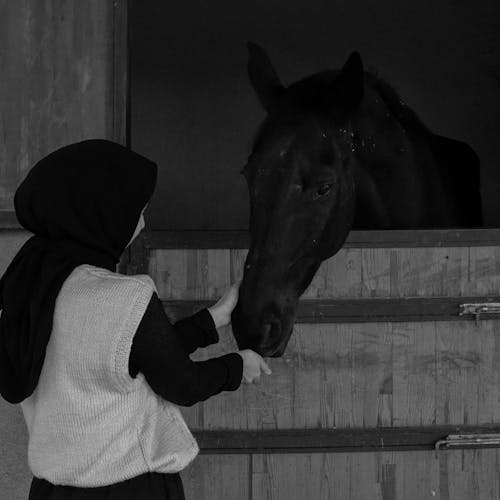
(89, 353)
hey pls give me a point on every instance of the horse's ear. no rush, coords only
(349, 85)
(262, 75)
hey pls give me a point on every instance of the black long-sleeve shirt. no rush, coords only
(160, 350)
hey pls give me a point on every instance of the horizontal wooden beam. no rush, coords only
(361, 310)
(336, 440)
(356, 239)
(8, 220)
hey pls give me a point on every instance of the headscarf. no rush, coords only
(83, 203)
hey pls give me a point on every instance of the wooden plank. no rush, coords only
(354, 273)
(119, 76)
(356, 239)
(413, 374)
(365, 375)
(335, 440)
(315, 476)
(60, 85)
(55, 87)
(218, 477)
(361, 310)
(138, 257)
(454, 475)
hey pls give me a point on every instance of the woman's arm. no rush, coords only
(158, 352)
(198, 330)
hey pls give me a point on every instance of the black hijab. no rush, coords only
(83, 203)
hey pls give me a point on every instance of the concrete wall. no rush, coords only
(15, 476)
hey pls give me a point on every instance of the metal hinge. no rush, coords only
(476, 309)
(468, 441)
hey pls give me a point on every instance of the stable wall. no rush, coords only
(362, 371)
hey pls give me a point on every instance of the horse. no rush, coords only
(338, 150)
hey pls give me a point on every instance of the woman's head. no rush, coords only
(83, 202)
(91, 193)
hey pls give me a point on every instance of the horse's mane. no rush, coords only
(403, 113)
(396, 105)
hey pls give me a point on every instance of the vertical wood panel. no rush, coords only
(352, 273)
(366, 375)
(455, 475)
(414, 376)
(56, 85)
(217, 477)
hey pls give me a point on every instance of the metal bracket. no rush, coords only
(468, 441)
(476, 309)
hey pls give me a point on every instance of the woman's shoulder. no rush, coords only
(111, 276)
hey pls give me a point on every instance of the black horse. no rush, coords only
(338, 150)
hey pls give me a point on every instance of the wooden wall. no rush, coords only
(57, 86)
(354, 375)
(456, 475)
(358, 374)
(62, 67)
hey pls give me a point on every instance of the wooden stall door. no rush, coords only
(356, 404)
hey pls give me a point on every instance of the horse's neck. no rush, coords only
(397, 179)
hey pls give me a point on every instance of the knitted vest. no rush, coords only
(90, 423)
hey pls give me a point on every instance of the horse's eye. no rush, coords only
(324, 189)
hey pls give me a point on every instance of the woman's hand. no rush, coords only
(253, 364)
(221, 310)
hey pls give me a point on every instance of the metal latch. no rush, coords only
(468, 441)
(476, 309)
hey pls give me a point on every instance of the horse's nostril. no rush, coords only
(270, 331)
(266, 330)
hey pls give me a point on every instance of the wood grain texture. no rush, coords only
(217, 477)
(455, 475)
(364, 310)
(361, 375)
(56, 88)
(343, 439)
(366, 375)
(358, 375)
(352, 273)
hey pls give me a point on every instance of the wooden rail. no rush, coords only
(230, 239)
(361, 310)
(335, 440)
(355, 239)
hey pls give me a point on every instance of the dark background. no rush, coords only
(194, 112)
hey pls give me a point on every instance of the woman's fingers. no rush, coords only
(265, 367)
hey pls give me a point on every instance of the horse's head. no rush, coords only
(302, 195)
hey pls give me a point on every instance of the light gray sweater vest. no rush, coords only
(90, 423)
